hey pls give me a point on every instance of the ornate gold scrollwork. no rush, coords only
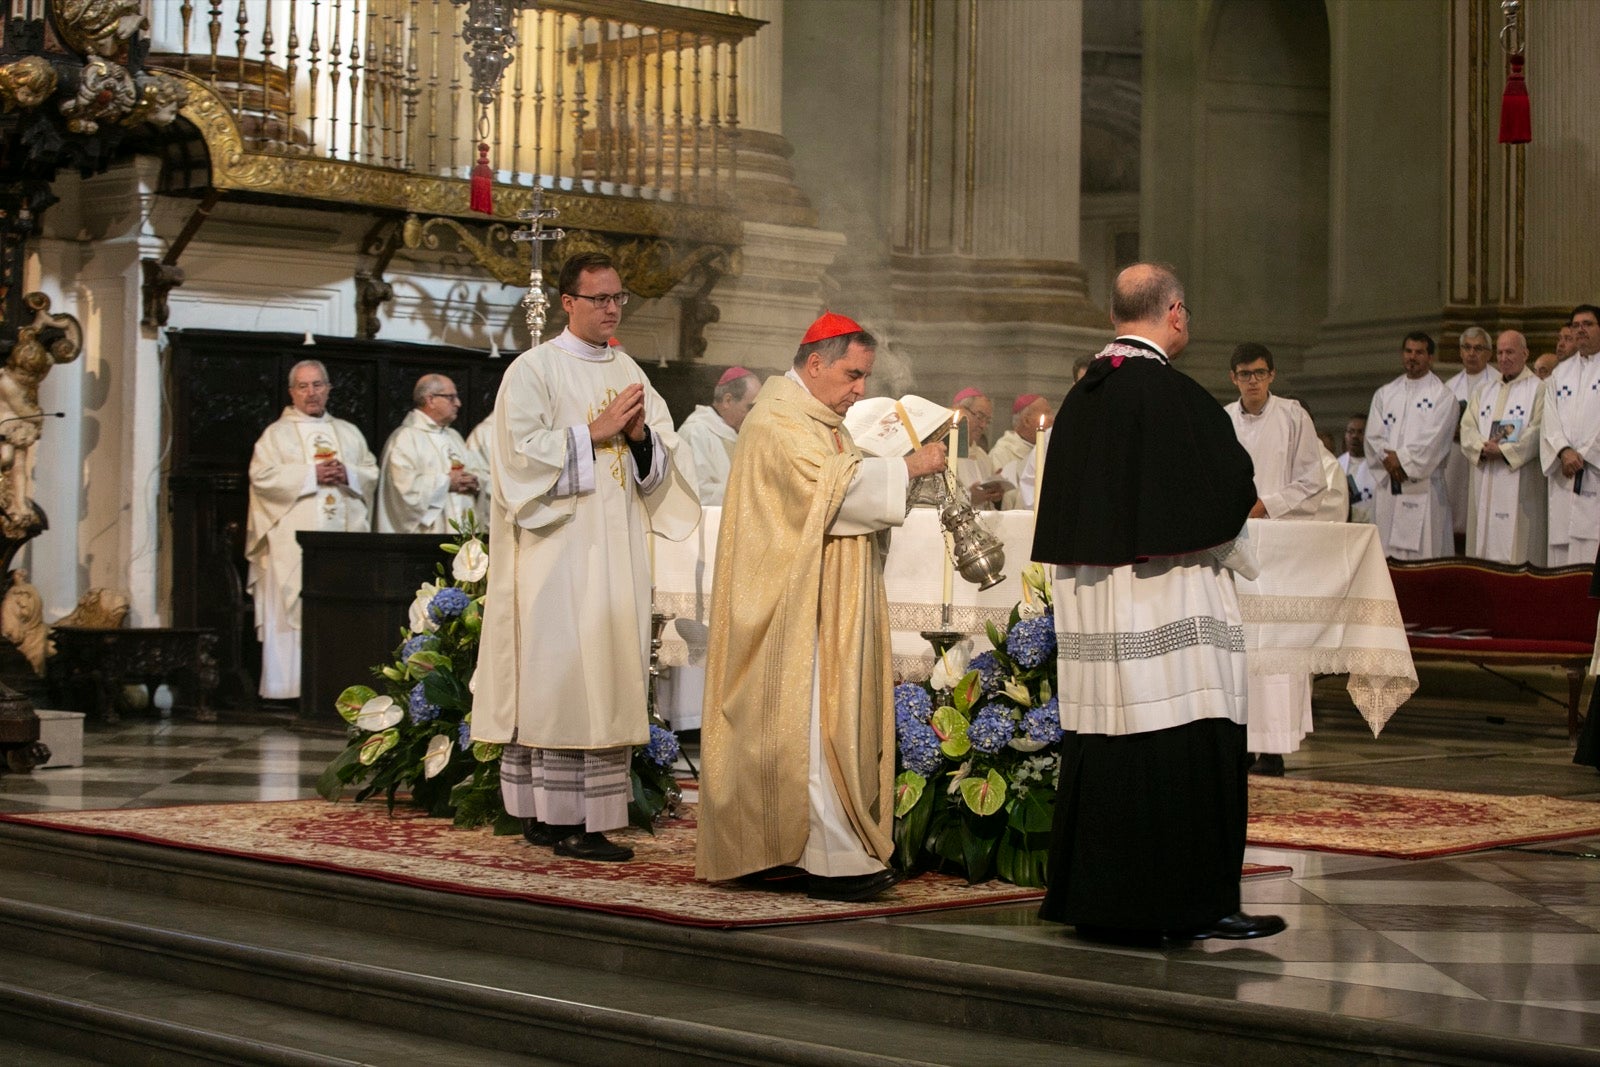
(507, 269)
(99, 27)
(26, 83)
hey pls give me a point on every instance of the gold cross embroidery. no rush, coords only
(614, 445)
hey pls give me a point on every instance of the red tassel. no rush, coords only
(482, 182)
(1516, 124)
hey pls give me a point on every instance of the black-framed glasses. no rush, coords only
(448, 396)
(1251, 375)
(601, 300)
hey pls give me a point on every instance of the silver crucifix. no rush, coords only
(536, 234)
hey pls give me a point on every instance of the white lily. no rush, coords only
(951, 667)
(955, 779)
(379, 713)
(471, 562)
(437, 756)
(1017, 691)
(421, 621)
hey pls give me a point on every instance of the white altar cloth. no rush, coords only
(1323, 604)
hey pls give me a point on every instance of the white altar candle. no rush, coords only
(950, 461)
(1038, 465)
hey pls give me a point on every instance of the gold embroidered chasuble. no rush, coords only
(792, 604)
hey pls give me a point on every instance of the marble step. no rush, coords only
(69, 1009)
(1078, 1010)
(557, 1007)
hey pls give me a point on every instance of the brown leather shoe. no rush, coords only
(592, 846)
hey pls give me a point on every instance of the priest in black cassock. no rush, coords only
(1149, 829)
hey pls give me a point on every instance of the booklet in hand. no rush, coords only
(879, 428)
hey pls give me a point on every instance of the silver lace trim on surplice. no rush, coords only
(1148, 644)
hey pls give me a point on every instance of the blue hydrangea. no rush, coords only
(1043, 723)
(448, 603)
(992, 728)
(1032, 641)
(912, 700)
(663, 747)
(416, 643)
(919, 747)
(464, 735)
(421, 710)
(991, 676)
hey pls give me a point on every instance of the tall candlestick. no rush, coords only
(1038, 465)
(952, 484)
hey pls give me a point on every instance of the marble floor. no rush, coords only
(1503, 942)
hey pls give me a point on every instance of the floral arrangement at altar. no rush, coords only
(413, 741)
(979, 752)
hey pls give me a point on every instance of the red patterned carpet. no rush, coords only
(1373, 820)
(415, 850)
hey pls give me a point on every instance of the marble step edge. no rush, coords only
(58, 1022)
(1076, 1011)
(470, 1013)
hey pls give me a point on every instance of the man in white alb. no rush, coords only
(976, 470)
(1476, 349)
(1354, 464)
(586, 465)
(309, 471)
(711, 431)
(1283, 445)
(1410, 429)
(430, 477)
(1500, 439)
(1569, 445)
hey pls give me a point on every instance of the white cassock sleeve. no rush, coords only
(415, 485)
(876, 499)
(1304, 468)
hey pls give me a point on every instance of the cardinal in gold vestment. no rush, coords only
(799, 627)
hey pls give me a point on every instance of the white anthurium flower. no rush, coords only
(955, 779)
(951, 667)
(421, 621)
(471, 563)
(379, 713)
(1026, 744)
(437, 756)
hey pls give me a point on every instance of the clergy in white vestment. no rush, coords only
(309, 471)
(1290, 483)
(711, 431)
(1500, 438)
(1030, 415)
(797, 732)
(976, 470)
(586, 465)
(1569, 446)
(430, 478)
(1149, 831)
(1476, 348)
(1353, 461)
(1411, 428)
(478, 444)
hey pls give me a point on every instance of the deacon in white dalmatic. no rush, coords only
(430, 477)
(309, 471)
(1500, 439)
(1410, 429)
(586, 466)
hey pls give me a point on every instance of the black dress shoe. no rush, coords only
(1236, 927)
(783, 879)
(853, 888)
(592, 846)
(545, 834)
(1269, 764)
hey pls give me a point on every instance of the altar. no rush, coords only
(1323, 604)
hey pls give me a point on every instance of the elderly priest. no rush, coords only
(1500, 438)
(797, 767)
(309, 471)
(430, 477)
(585, 465)
(710, 432)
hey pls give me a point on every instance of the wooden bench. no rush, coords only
(1494, 614)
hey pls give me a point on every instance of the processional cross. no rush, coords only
(535, 234)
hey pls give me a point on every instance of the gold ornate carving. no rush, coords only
(505, 268)
(159, 99)
(105, 91)
(26, 83)
(99, 27)
(299, 177)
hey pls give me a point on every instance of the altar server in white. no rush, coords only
(309, 471)
(1476, 348)
(711, 431)
(478, 445)
(585, 465)
(1410, 430)
(1500, 439)
(1569, 446)
(430, 476)
(1290, 484)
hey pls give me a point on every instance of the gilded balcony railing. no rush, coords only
(620, 98)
